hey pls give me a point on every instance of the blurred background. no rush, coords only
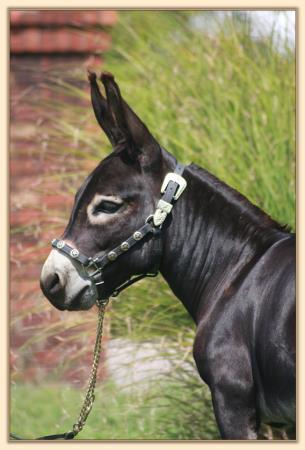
(216, 88)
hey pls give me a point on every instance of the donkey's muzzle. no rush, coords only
(65, 286)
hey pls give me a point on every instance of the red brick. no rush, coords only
(63, 40)
(15, 17)
(16, 340)
(30, 282)
(47, 358)
(13, 359)
(23, 166)
(25, 40)
(56, 201)
(33, 320)
(24, 217)
(29, 373)
(33, 197)
(93, 62)
(63, 17)
(107, 17)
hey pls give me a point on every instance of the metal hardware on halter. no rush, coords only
(112, 256)
(137, 235)
(172, 187)
(125, 246)
(176, 178)
(59, 244)
(74, 253)
(163, 209)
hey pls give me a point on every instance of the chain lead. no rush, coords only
(89, 398)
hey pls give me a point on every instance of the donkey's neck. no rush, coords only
(214, 236)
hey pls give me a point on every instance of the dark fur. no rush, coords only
(230, 264)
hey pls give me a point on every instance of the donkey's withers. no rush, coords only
(230, 264)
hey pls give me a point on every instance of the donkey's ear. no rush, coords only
(102, 113)
(141, 145)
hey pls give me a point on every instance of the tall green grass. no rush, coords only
(116, 415)
(227, 102)
(224, 102)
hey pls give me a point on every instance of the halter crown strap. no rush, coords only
(172, 187)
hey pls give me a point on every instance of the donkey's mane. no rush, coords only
(250, 217)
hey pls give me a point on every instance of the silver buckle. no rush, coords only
(171, 176)
(162, 210)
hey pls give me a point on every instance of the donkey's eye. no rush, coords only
(106, 206)
(102, 207)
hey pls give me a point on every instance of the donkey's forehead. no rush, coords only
(111, 176)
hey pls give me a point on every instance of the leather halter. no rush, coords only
(172, 187)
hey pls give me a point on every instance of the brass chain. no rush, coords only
(89, 398)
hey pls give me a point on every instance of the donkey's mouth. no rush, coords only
(83, 301)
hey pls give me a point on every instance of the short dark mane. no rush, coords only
(250, 216)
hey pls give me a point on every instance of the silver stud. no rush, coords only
(60, 244)
(137, 235)
(124, 246)
(112, 256)
(74, 253)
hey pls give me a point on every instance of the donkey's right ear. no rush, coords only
(102, 113)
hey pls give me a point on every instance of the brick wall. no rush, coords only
(42, 42)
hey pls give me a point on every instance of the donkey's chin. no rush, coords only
(83, 300)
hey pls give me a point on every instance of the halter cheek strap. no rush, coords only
(172, 187)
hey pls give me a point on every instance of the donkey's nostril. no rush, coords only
(53, 283)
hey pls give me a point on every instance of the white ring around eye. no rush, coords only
(101, 218)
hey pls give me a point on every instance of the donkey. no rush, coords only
(228, 262)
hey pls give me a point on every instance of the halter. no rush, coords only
(172, 187)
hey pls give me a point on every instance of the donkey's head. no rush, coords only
(111, 204)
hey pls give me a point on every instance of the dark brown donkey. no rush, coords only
(229, 263)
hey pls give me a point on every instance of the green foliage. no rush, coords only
(224, 102)
(163, 411)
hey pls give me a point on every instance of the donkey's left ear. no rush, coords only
(141, 145)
